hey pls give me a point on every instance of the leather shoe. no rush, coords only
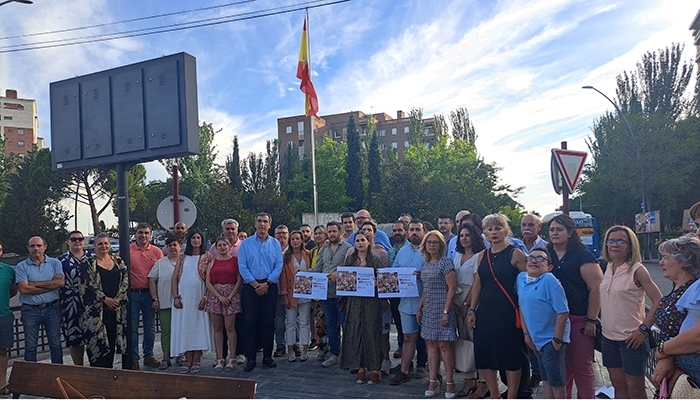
(151, 362)
(134, 365)
(270, 363)
(249, 366)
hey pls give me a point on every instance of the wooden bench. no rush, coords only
(39, 379)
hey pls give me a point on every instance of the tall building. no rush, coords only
(19, 123)
(695, 27)
(392, 132)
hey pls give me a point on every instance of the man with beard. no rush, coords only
(180, 233)
(410, 257)
(398, 233)
(331, 255)
(307, 233)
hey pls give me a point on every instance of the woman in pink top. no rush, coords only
(224, 302)
(625, 326)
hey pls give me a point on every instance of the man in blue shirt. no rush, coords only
(381, 238)
(410, 257)
(398, 232)
(39, 278)
(260, 264)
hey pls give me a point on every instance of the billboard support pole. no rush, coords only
(123, 210)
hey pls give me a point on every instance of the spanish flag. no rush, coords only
(303, 73)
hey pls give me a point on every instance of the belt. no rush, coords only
(140, 290)
(44, 305)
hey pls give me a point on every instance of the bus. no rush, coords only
(587, 228)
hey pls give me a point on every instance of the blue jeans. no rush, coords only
(50, 317)
(334, 319)
(141, 303)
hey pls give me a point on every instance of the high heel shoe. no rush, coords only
(449, 395)
(432, 393)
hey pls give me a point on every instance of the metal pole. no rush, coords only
(123, 210)
(645, 204)
(176, 199)
(564, 191)
(311, 123)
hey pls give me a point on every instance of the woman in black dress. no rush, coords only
(498, 341)
(104, 282)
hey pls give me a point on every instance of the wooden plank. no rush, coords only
(39, 379)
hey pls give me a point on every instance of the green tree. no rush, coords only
(462, 127)
(7, 165)
(233, 166)
(440, 125)
(354, 188)
(374, 161)
(416, 126)
(33, 205)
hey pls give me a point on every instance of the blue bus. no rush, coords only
(587, 228)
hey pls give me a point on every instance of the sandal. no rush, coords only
(219, 365)
(231, 365)
(181, 360)
(164, 364)
(434, 391)
(468, 392)
(185, 368)
(360, 377)
(196, 367)
(449, 395)
(485, 395)
(375, 378)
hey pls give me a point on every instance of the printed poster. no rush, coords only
(310, 285)
(355, 281)
(396, 282)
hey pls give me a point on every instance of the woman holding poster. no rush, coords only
(296, 258)
(362, 348)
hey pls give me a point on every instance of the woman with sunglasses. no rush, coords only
(71, 306)
(578, 271)
(545, 317)
(625, 285)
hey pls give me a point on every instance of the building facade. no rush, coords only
(695, 27)
(19, 123)
(392, 132)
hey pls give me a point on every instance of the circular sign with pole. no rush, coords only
(188, 212)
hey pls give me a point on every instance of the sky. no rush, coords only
(517, 65)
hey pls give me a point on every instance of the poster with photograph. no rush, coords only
(310, 285)
(396, 282)
(355, 281)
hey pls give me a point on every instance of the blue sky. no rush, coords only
(518, 66)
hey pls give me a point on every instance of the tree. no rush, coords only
(462, 127)
(7, 165)
(33, 205)
(440, 125)
(354, 188)
(136, 186)
(374, 158)
(233, 166)
(416, 126)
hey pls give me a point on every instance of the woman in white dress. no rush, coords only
(191, 331)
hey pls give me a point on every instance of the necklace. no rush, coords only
(173, 262)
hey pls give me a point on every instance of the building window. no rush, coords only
(300, 126)
(20, 131)
(393, 131)
(427, 145)
(345, 131)
(7, 118)
(394, 145)
(426, 132)
(405, 130)
(20, 143)
(336, 134)
(289, 130)
(382, 132)
(364, 132)
(382, 146)
(406, 144)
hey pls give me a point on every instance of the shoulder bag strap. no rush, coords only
(488, 258)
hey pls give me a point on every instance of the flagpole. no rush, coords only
(311, 123)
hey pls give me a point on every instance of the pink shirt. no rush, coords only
(141, 261)
(621, 302)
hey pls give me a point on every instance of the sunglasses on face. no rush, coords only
(537, 259)
(76, 239)
(619, 242)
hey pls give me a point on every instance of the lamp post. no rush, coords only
(644, 205)
(2, 3)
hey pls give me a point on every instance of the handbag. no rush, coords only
(464, 356)
(518, 323)
(685, 388)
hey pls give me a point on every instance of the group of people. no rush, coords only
(489, 305)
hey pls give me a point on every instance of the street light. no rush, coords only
(639, 157)
(2, 3)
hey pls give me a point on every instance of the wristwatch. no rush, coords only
(444, 312)
(644, 329)
(557, 340)
(154, 300)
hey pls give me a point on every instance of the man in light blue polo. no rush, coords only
(39, 278)
(260, 265)
(381, 237)
(410, 257)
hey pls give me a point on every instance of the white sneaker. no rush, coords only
(386, 367)
(331, 361)
(241, 359)
(291, 357)
(304, 355)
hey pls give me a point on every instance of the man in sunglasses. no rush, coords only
(71, 306)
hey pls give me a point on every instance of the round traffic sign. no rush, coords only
(188, 212)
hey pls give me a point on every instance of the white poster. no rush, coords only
(355, 281)
(396, 282)
(311, 285)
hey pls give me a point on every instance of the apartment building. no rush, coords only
(695, 27)
(19, 123)
(392, 132)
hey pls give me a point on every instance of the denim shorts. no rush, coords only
(409, 324)
(7, 325)
(553, 364)
(617, 355)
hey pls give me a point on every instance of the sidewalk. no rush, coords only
(311, 380)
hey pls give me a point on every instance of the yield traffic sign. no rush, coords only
(570, 164)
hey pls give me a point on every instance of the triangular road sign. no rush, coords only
(570, 165)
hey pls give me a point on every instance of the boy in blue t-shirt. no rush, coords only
(545, 317)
